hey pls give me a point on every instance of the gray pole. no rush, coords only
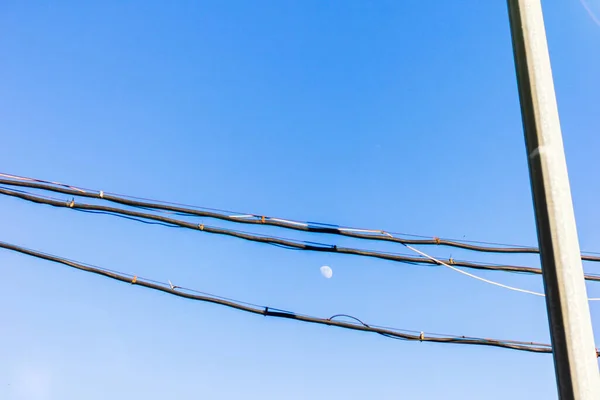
(566, 298)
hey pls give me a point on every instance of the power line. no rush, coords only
(272, 240)
(483, 279)
(315, 227)
(279, 313)
(473, 276)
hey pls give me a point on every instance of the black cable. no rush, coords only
(277, 241)
(129, 218)
(274, 312)
(348, 316)
(315, 227)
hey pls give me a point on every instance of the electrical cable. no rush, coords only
(483, 279)
(272, 240)
(316, 227)
(475, 276)
(278, 313)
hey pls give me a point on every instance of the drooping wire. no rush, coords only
(483, 279)
(272, 240)
(359, 325)
(474, 276)
(317, 227)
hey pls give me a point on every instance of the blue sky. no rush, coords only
(401, 116)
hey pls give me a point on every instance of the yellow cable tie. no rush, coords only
(421, 336)
(201, 226)
(436, 240)
(262, 219)
(451, 261)
(72, 203)
(134, 280)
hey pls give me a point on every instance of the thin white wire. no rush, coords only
(587, 7)
(483, 279)
(471, 275)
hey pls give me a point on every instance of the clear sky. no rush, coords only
(401, 116)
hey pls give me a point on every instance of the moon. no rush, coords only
(326, 271)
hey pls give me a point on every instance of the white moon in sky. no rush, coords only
(326, 271)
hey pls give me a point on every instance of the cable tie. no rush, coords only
(173, 287)
(102, 194)
(421, 336)
(134, 280)
(201, 227)
(262, 219)
(266, 311)
(451, 261)
(71, 203)
(436, 240)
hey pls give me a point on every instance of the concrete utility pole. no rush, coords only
(566, 298)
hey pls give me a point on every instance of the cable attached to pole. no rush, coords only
(315, 227)
(272, 240)
(358, 325)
